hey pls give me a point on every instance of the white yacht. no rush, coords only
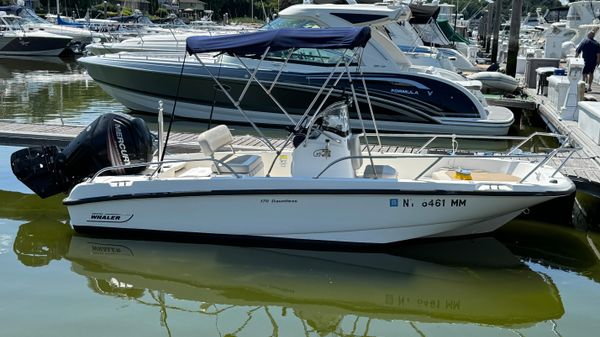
(406, 97)
(79, 37)
(325, 188)
(16, 41)
(172, 42)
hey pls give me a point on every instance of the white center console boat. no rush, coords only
(326, 188)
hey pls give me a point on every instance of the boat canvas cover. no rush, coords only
(61, 22)
(421, 14)
(450, 33)
(280, 39)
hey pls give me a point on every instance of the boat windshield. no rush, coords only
(312, 56)
(30, 16)
(282, 22)
(14, 22)
(305, 55)
(144, 20)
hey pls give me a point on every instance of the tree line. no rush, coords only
(262, 8)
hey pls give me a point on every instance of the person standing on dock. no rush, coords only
(590, 49)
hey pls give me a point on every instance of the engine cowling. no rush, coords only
(113, 139)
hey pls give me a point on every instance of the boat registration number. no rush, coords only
(428, 203)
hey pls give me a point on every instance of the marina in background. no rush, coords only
(536, 275)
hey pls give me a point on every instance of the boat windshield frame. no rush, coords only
(13, 22)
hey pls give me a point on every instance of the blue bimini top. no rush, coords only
(280, 39)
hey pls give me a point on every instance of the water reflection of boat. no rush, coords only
(476, 280)
(556, 246)
(22, 64)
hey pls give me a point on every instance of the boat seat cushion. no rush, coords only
(244, 164)
(211, 140)
(380, 171)
(449, 174)
(197, 172)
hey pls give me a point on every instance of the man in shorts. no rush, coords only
(590, 49)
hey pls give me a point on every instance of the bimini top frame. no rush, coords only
(259, 44)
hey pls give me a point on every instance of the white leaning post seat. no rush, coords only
(211, 140)
(354, 147)
(380, 171)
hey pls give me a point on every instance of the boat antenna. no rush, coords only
(174, 106)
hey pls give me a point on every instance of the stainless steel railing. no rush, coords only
(437, 158)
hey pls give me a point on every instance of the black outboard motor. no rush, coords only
(112, 139)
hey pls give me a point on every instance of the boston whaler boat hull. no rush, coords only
(324, 186)
(294, 210)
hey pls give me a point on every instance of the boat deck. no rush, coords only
(583, 167)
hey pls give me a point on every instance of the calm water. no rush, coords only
(528, 279)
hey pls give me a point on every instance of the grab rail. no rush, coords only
(160, 163)
(438, 158)
(432, 137)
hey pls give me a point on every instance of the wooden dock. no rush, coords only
(28, 134)
(583, 167)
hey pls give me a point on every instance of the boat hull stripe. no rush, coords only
(306, 192)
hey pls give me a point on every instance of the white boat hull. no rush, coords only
(342, 215)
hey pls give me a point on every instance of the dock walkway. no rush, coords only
(583, 167)
(29, 134)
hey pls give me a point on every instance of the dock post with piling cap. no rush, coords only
(574, 69)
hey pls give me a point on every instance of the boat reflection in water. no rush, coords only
(476, 280)
(49, 90)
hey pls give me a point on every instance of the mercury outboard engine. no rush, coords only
(111, 140)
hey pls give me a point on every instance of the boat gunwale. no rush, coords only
(354, 191)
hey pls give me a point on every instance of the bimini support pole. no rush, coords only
(281, 70)
(160, 130)
(362, 78)
(237, 106)
(305, 114)
(267, 91)
(252, 74)
(310, 106)
(362, 123)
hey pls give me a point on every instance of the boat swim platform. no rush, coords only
(583, 167)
